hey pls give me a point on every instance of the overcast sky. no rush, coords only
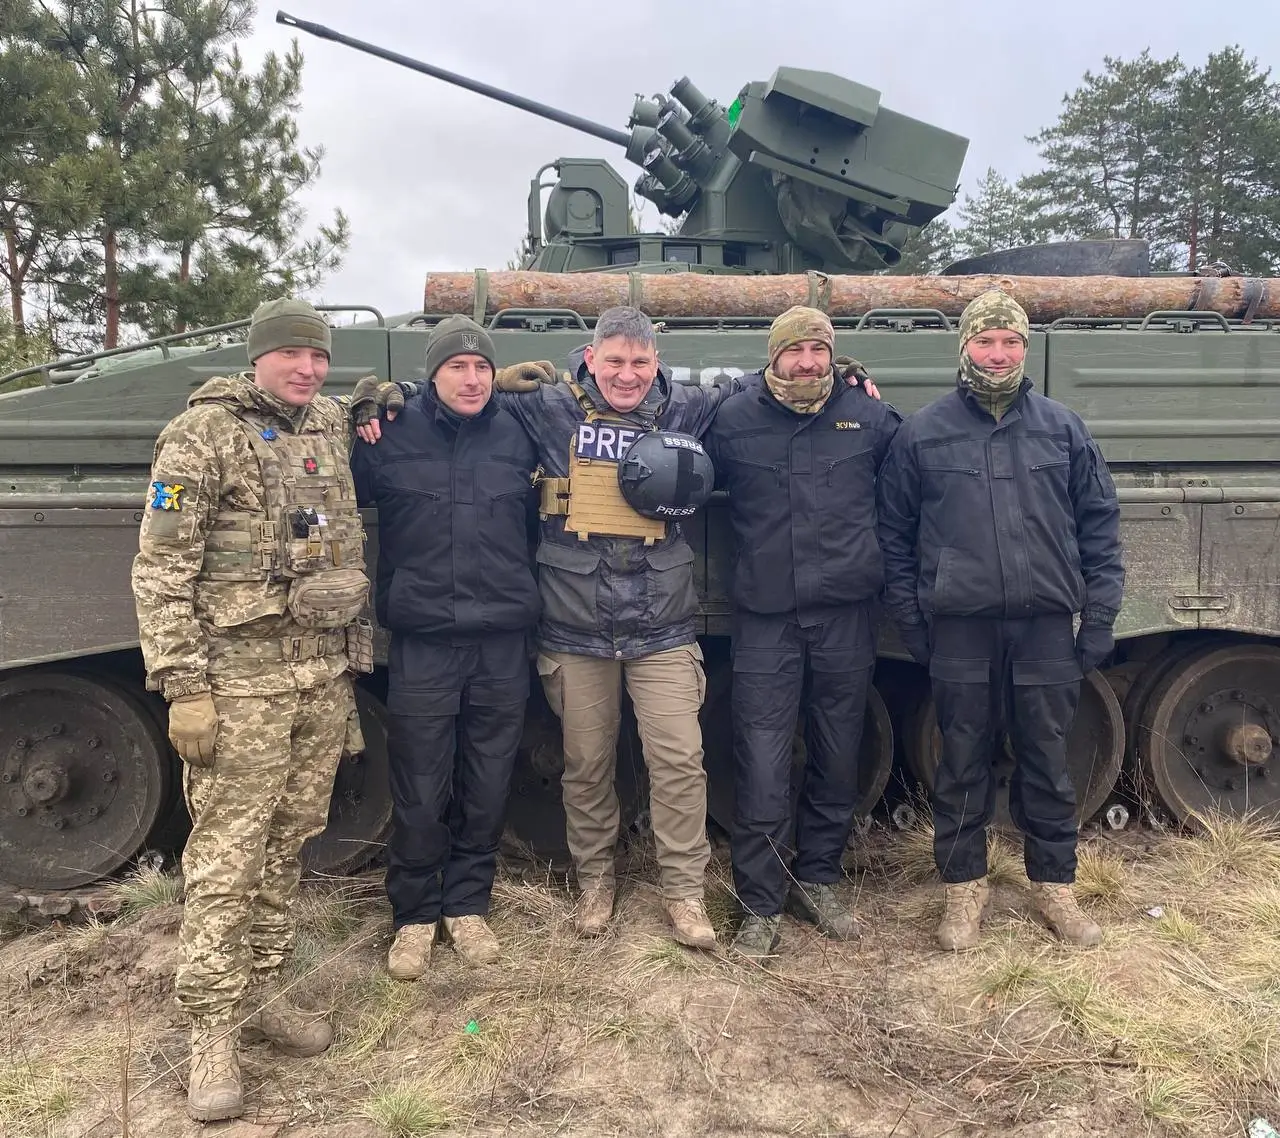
(435, 178)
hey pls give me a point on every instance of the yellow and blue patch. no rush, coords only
(166, 495)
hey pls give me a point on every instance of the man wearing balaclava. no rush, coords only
(798, 450)
(999, 522)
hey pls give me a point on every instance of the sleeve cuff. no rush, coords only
(177, 687)
(1098, 614)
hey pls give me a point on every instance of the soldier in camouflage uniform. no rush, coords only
(248, 582)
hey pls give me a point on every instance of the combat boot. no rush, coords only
(819, 905)
(472, 938)
(966, 904)
(410, 953)
(287, 1028)
(1056, 904)
(690, 924)
(214, 1090)
(595, 907)
(757, 939)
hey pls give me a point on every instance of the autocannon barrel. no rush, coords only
(609, 134)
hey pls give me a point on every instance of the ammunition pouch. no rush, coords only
(330, 598)
(553, 497)
(360, 646)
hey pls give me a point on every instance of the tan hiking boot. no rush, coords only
(961, 924)
(595, 907)
(410, 954)
(214, 1090)
(288, 1029)
(472, 938)
(1056, 903)
(690, 924)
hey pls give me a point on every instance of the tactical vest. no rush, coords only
(308, 538)
(590, 498)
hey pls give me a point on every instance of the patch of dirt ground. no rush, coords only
(1169, 1028)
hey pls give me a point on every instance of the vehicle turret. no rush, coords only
(806, 170)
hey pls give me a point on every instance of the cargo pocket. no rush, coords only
(568, 586)
(958, 671)
(669, 586)
(1032, 673)
(551, 672)
(765, 689)
(423, 701)
(695, 651)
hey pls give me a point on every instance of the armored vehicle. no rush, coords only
(800, 185)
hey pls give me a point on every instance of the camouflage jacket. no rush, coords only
(205, 468)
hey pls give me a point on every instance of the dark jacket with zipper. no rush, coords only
(613, 596)
(802, 498)
(452, 495)
(1007, 519)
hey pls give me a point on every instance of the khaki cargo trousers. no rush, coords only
(667, 690)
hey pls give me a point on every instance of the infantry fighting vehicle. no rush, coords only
(802, 178)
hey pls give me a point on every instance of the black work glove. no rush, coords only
(856, 375)
(375, 398)
(915, 636)
(1094, 643)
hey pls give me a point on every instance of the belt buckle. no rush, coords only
(293, 648)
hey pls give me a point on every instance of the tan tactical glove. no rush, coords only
(374, 398)
(524, 377)
(193, 727)
(855, 374)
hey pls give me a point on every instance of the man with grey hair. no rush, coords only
(619, 605)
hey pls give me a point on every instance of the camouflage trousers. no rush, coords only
(267, 792)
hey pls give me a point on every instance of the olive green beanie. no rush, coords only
(457, 336)
(287, 323)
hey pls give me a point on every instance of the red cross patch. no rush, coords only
(310, 465)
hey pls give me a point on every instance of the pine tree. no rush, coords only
(1225, 149)
(186, 172)
(1108, 167)
(231, 236)
(998, 216)
(928, 250)
(43, 136)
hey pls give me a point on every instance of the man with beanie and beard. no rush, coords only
(998, 522)
(455, 588)
(249, 586)
(798, 451)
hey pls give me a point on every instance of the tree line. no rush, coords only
(1187, 158)
(148, 177)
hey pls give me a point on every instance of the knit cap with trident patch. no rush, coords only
(806, 394)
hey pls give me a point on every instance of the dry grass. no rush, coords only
(1168, 1028)
(374, 1007)
(407, 1110)
(1244, 849)
(1013, 969)
(1101, 878)
(145, 889)
(32, 1099)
